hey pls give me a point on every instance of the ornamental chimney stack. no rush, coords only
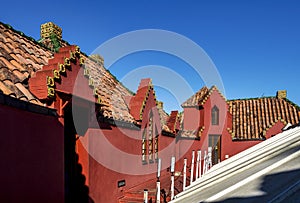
(51, 36)
(50, 29)
(281, 94)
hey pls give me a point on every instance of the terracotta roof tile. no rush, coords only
(6, 74)
(197, 98)
(111, 92)
(19, 58)
(163, 119)
(251, 118)
(200, 97)
(5, 89)
(189, 133)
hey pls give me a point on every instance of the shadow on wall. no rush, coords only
(75, 189)
(271, 186)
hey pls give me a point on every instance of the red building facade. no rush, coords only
(98, 141)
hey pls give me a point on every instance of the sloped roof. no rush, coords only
(251, 118)
(20, 58)
(163, 119)
(189, 133)
(197, 98)
(200, 97)
(112, 93)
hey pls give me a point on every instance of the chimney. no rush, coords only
(160, 104)
(51, 36)
(99, 59)
(49, 29)
(281, 94)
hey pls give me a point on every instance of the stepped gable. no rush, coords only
(20, 58)
(197, 98)
(200, 97)
(252, 118)
(138, 101)
(173, 121)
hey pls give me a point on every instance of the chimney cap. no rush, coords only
(49, 28)
(160, 104)
(281, 94)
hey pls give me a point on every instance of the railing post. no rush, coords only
(209, 160)
(200, 163)
(204, 163)
(184, 173)
(158, 191)
(192, 167)
(158, 181)
(145, 196)
(172, 176)
(197, 166)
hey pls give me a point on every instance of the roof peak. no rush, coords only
(201, 96)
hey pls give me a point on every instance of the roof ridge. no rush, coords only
(8, 26)
(186, 102)
(64, 41)
(292, 103)
(251, 98)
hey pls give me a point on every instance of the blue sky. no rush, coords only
(255, 45)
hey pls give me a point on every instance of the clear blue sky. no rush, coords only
(255, 45)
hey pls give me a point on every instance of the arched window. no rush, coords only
(156, 145)
(215, 115)
(150, 136)
(144, 146)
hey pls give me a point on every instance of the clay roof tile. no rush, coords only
(251, 118)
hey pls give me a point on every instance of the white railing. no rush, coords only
(241, 161)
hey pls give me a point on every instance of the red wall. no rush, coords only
(110, 160)
(111, 153)
(31, 153)
(215, 99)
(191, 118)
(230, 148)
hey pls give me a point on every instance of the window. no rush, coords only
(215, 115)
(156, 145)
(150, 136)
(149, 142)
(214, 142)
(144, 144)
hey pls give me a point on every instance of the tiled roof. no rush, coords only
(189, 133)
(197, 98)
(200, 97)
(163, 119)
(20, 58)
(112, 93)
(251, 118)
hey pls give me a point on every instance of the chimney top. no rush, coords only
(160, 104)
(99, 59)
(50, 28)
(281, 94)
